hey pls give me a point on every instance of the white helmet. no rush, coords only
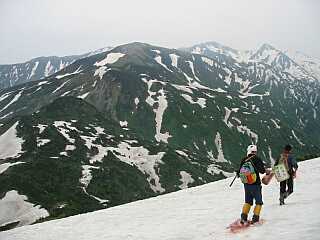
(251, 148)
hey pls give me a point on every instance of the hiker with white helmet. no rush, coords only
(249, 170)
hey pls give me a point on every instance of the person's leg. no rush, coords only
(245, 211)
(290, 186)
(247, 205)
(259, 203)
(283, 186)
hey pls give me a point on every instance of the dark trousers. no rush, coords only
(286, 186)
(253, 192)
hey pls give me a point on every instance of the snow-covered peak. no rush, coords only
(217, 48)
(311, 64)
(279, 60)
(199, 213)
(266, 53)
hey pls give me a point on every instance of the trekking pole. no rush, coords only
(233, 180)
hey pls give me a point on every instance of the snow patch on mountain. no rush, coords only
(100, 72)
(83, 96)
(182, 153)
(208, 61)
(110, 59)
(5, 166)
(15, 99)
(61, 86)
(186, 179)
(310, 64)
(33, 71)
(200, 101)
(41, 142)
(174, 60)
(123, 123)
(10, 143)
(49, 69)
(43, 82)
(64, 128)
(156, 51)
(6, 115)
(162, 105)
(193, 71)
(159, 61)
(69, 74)
(140, 157)
(275, 123)
(227, 116)
(4, 96)
(86, 174)
(297, 139)
(136, 101)
(15, 208)
(182, 88)
(218, 143)
(102, 151)
(41, 127)
(245, 130)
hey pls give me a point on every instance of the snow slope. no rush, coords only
(201, 213)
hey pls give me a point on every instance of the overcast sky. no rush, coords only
(33, 28)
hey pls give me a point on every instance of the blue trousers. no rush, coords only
(253, 191)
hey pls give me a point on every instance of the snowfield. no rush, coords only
(199, 213)
(10, 143)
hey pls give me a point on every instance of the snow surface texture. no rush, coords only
(199, 213)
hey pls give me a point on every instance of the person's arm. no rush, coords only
(294, 164)
(260, 166)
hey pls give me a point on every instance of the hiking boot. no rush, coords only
(255, 219)
(244, 218)
(282, 197)
(281, 201)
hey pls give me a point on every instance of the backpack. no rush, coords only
(281, 169)
(247, 172)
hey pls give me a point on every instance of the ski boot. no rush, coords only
(255, 219)
(244, 218)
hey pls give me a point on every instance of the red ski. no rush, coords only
(236, 226)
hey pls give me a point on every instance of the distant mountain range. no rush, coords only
(37, 68)
(140, 120)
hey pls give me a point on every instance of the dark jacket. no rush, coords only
(291, 164)
(258, 167)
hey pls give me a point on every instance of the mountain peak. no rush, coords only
(267, 47)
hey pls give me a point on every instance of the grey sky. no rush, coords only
(32, 28)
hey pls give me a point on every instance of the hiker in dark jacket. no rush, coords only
(286, 186)
(253, 188)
